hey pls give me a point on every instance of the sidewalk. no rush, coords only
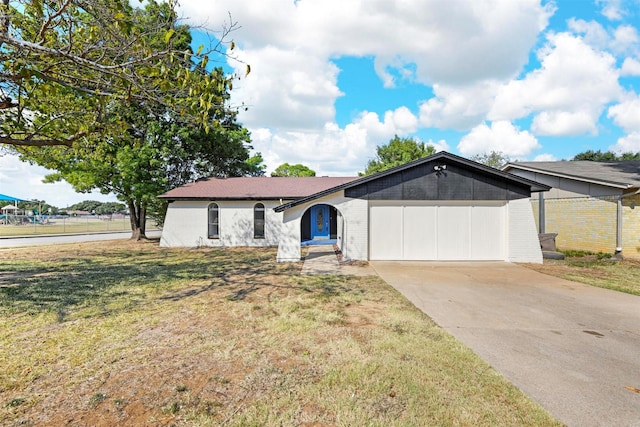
(322, 260)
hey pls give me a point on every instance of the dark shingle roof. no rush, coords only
(534, 186)
(254, 188)
(623, 174)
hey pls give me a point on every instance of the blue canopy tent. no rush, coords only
(11, 199)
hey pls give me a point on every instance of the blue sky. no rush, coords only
(331, 80)
(534, 79)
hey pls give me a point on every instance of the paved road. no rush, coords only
(67, 238)
(573, 348)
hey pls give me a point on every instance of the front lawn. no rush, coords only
(124, 333)
(595, 270)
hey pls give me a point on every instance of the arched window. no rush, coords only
(214, 222)
(258, 221)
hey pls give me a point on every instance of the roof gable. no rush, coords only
(420, 180)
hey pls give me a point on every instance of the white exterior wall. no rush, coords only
(353, 235)
(186, 224)
(523, 243)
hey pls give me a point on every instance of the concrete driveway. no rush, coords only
(573, 348)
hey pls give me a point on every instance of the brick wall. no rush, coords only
(589, 223)
(631, 226)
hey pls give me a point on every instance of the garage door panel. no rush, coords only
(487, 233)
(453, 232)
(386, 241)
(419, 239)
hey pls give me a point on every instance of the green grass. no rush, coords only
(126, 333)
(69, 226)
(595, 270)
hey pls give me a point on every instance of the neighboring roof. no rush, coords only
(254, 188)
(443, 155)
(624, 174)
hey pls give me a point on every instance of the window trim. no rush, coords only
(211, 208)
(258, 209)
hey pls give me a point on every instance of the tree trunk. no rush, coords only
(137, 217)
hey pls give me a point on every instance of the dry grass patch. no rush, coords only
(623, 276)
(126, 333)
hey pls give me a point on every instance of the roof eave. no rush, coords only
(614, 184)
(209, 198)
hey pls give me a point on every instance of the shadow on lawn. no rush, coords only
(132, 278)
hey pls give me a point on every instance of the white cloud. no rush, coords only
(627, 144)
(24, 181)
(594, 33)
(627, 114)
(332, 150)
(501, 136)
(285, 88)
(289, 46)
(440, 145)
(571, 88)
(458, 108)
(630, 67)
(419, 31)
(545, 158)
(625, 38)
(612, 9)
(565, 122)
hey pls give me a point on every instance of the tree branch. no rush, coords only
(30, 142)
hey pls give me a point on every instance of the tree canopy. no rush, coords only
(99, 208)
(142, 144)
(495, 159)
(607, 156)
(397, 152)
(286, 169)
(62, 64)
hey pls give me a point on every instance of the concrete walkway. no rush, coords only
(574, 348)
(322, 260)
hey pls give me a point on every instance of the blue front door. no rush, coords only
(320, 222)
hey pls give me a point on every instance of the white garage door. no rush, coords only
(430, 231)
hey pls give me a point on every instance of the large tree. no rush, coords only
(286, 169)
(63, 62)
(155, 154)
(607, 156)
(398, 152)
(495, 159)
(145, 145)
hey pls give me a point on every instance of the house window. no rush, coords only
(214, 222)
(258, 221)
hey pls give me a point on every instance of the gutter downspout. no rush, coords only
(541, 219)
(618, 253)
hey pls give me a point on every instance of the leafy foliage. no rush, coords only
(145, 144)
(607, 156)
(397, 152)
(99, 208)
(62, 63)
(38, 206)
(286, 169)
(495, 159)
(255, 165)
